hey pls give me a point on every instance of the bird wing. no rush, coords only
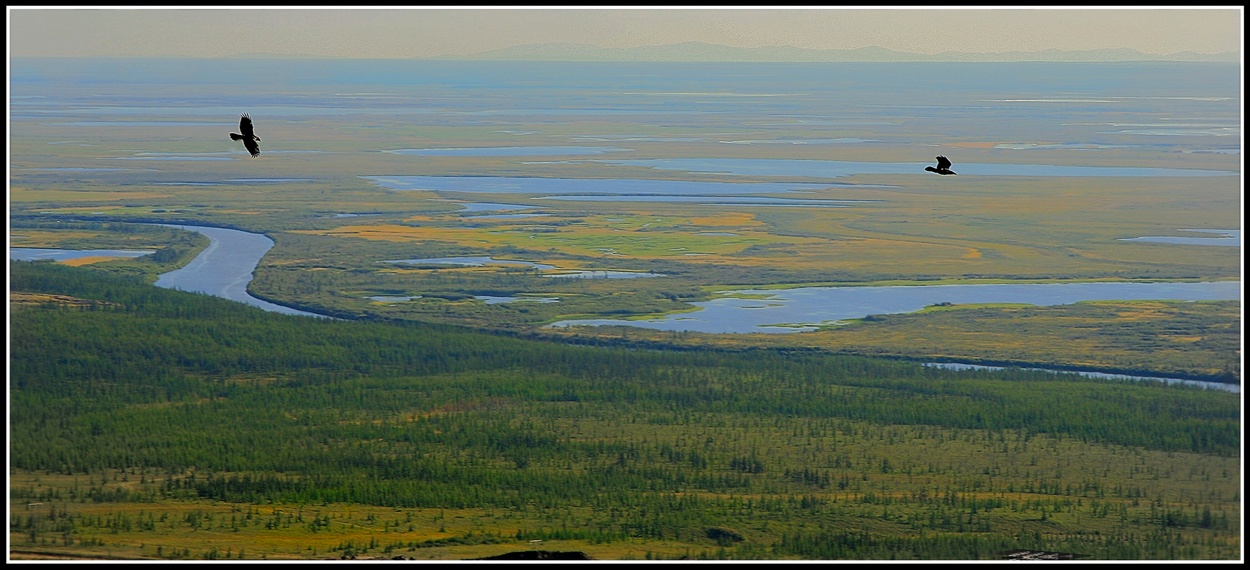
(245, 126)
(252, 147)
(943, 162)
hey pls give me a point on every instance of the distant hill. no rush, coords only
(700, 51)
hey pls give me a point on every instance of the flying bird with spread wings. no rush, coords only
(943, 166)
(248, 137)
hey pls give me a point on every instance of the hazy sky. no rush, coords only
(400, 33)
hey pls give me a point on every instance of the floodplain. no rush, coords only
(571, 167)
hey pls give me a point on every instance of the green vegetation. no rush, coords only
(160, 424)
(339, 277)
(1197, 340)
(173, 247)
(333, 231)
(155, 424)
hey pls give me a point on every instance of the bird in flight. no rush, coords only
(248, 137)
(943, 167)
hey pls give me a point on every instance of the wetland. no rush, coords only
(706, 177)
(719, 185)
(428, 205)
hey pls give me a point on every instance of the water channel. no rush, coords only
(807, 308)
(225, 268)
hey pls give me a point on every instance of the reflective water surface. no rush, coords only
(225, 267)
(804, 308)
(36, 254)
(1227, 238)
(1213, 385)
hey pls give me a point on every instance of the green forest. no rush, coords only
(142, 417)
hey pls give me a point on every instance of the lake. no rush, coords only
(1227, 238)
(805, 308)
(36, 254)
(673, 133)
(225, 268)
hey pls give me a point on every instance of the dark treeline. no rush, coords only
(228, 402)
(149, 345)
(849, 545)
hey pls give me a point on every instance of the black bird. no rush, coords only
(943, 167)
(248, 137)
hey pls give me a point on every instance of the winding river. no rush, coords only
(225, 268)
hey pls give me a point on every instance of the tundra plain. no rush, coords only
(95, 161)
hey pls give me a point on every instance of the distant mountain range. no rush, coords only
(699, 51)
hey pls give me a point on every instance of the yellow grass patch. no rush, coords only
(27, 237)
(867, 252)
(19, 298)
(727, 219)
(80, 261)
(645, 242)
(652, 242)
(398, 233)
(1146, 311)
